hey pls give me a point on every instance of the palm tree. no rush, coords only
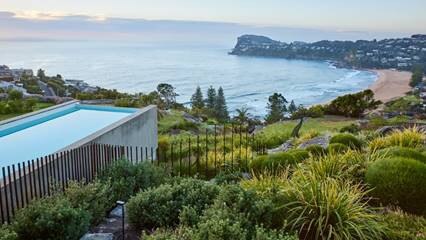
(242, 115)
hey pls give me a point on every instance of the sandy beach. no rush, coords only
(390, 84)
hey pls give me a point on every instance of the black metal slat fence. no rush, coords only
(195, 155)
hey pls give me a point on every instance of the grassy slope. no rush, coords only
(276, 134)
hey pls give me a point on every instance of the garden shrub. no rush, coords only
(258, 162)
(399, 181)
(402, 226)
(181, 233)
(267, 234)
(329, 209)
(160, 207)
(254, 209)
(277, 160)
(353, 128)
(337, 148)
(348, 140)
(51, 218)
(220, 224)
(127, 179)
(404, 152)
(93, 198)
(316, 150)
(6, 233)
(299, 154)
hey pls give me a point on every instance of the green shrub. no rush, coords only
(126, 178)
(402, 226)
(6, 233)
(258, 162)
(316, 150)
(337, 148)
(399, 181)
(329, 209)
(220, 224)
(163, 234)
(255, 210)
(160, 207)
(299, 154)
(353, 128)
(93, 198)
(51, 218)
(278, 160)
(405, 152)
(347, 140)
(267, 234)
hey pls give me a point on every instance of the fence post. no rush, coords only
(189, 156)
(5, 195)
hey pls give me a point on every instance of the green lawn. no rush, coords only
(37, 107)
(276, 134)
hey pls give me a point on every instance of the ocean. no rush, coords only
(140, 67)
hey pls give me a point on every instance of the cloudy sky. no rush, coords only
(311, 19)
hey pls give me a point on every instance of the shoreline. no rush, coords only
(390, 84)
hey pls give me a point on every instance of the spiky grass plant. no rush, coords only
(329, 209)
(410, 137)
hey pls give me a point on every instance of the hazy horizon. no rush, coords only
(85, 27)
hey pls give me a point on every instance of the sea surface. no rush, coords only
(140, 67)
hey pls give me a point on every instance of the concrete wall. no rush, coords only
(139, 129)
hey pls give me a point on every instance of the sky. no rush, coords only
(380, 17)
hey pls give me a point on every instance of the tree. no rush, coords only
(242, 115)
(292, 107)
(221, 110)
(276, 108)
(41, 75)
(167, 94)
(15, 95)
(211, 98)
(416, 77)
(197, 100)
(352, 105)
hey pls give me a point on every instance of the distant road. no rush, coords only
(47, 91)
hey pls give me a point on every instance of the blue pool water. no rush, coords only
(52, 132)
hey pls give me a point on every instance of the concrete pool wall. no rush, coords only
(139, 129)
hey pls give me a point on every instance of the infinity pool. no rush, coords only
(45, 133)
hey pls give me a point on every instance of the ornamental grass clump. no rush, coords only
(399, 181)
(329, 209)
(410, 137)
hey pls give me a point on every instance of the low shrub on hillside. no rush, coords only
(160, 207)
(337, 148)
(6, 233)
(299, 154)
(348, 140)
(399, 181)
(51, 218)
(352, 128)
(316, 150)
(93, 198)
(279, 160)
(127, 179)
(402, 226)
(404, 152)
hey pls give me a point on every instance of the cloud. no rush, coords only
(59, 26)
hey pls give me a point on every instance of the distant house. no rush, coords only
(6, 74)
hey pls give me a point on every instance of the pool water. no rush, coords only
(47, 135)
